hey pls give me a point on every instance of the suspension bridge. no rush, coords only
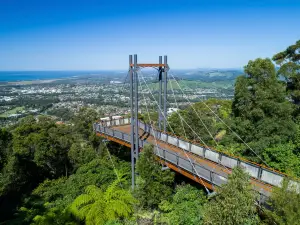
(198, 162)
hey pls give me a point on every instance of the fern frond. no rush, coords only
(80, 206)
(119, 209)
(96, 214)
(94, 191)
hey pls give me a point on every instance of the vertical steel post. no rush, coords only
(132, 121)
(165, 91)
(136, 105)
(160, 117)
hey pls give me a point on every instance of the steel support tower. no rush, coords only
(160, 113)
(134, 104)
(132, 120)
(165, 90)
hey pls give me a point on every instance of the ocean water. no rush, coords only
(37, 75)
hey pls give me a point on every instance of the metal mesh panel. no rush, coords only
(141, 143)
(151, 131)
(171, 157)
(197, 150)
(163, 137)
(185, 164)
(202, 172)
(101, 129)
(229, 162)
(126, 137)
(218, 179)
(172, 140)
(142, 125)
(157, 134)
(251, 169)
(184, 145)
(109, 131)
(213, 156)
(147, 128)
(159, 152)
(271, 178)
(118, 134)
(156, 150)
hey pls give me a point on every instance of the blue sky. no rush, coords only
(92, 35)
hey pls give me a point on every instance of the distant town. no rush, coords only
(108, 95)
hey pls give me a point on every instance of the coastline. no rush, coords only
(27, 82)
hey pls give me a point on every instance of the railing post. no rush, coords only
(260, 170)
(220, 157)
(211, 177)
(238, 162)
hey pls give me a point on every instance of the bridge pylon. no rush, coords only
(134, 66)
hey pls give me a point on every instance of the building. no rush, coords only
(171, 110)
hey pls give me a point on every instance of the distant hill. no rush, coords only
(209, 75)
(194, 84)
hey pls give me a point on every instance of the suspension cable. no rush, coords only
(219, 162)
(230, 129)
(173, 132)
(114, 167)
(149, 117)
(195, 111)
(178, 108)
(182, 119)
(123, 88)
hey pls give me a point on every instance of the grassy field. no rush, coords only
(12, 111)
(186, 84)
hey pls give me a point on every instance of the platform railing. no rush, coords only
(256, 171)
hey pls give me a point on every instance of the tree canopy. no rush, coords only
(186, 207)
(284, 205)
(289, 61)
(262, 114)
(234, 202)
(153, 184)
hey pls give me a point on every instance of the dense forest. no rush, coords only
(64, 174)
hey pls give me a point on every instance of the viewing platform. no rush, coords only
(206, 166)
